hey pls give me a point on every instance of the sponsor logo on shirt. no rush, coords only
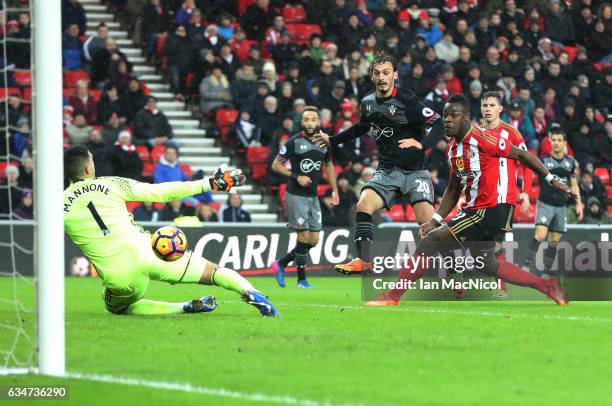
(307, 165)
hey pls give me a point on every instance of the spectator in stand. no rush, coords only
(600, 43)
(103, 60)
(255, 102)
(246, 131)
(446, 49)
(26, 172)
(590, 185)
(355, 84)
(558, 24)
(172, 210)
(226, 27)
(602, 93)
(551, 108)
(415, 81)
(553, 78)
(333, 100)
(155, 23)
(78, 131)
(432, 66)
(229, 62)
(285, 97)
(269, 120)
(183, 14)
(485, 35)
(605, 144)
(431, 32)
(151, 127)
(490, 68)
(19, 50)
(584, 145)
(233, 211)
(348, 200)
(244, 86)
(215, 92)
(540, 123)
(146, 211)
(507, 84)
(110, 103)
(285, 51)
(436, 99)
(73, 13)
(522, 122)
(111, 129)
(25, 207)
(120, 75)
(269, 75)
(83, 103)
(594, 213)
(529, 81)
(95, 42)
(525, 100)
(125, 158)
(22, 138)
(72, 49)
(101, 153)
(168, 168)
(206, 214)
(10, 192)
(257, 18)
(366, 175)
(569, 118)
(181, 59)
(134, 99)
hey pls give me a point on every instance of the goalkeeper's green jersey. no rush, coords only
(97, 220)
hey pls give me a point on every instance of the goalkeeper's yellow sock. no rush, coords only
(231, 280)
(145, 306)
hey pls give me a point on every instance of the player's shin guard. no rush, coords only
(364, 234)
(301, 257)
(511, 273)
(549, 257)
(284, 261)
(531, 253)
(231, 280)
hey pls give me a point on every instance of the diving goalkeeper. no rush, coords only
(98, 222)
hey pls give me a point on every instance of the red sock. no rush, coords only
(406, 275)
(513, 274)
(502, 287)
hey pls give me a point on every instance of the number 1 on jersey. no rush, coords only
(96, 216)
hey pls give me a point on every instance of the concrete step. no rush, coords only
(245, 189)
(171, 105)
(158, 87)
(184, 123)
(205, 160)
(256, 208)
(95, 8)
(142, 69)
(253, 199)
(264, 218)
(177, 114)
(150, 77)
(100, 17)
(83, 2)
(124, 42)
(194, 142)
(137, 60)
(114, 34)
(110, 24)
(131, 52)
(163, 96)
(207, 169)
(201, 151)
(197, 133)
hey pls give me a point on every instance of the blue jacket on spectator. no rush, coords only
(167, 172)
(432, 36)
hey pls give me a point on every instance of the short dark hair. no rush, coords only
(75, 159)
(492, 94)
(314, 109)
(460, 100)
(558, 131)
(383, 57)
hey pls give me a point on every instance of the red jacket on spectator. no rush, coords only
(88, 107)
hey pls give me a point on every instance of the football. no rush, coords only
(169, 243)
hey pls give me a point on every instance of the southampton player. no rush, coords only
(551, 206)
(98, 222)
(303, 209)
(473, 156)
(399, 122)
(511, 184)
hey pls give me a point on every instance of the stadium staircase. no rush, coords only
(195, 149)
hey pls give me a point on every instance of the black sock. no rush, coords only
(531, 252)
(301, 256)
(284, 261)
(549, 257)
(364, 234)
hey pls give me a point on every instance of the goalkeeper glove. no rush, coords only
(224, 180)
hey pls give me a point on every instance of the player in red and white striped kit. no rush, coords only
(473, 155)
(510, 171)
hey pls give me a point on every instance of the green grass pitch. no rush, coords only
(328, 348)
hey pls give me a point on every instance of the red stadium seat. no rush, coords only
(147, 169)
(301, 33)
(571, 53)
(608, 192)
(215, 206)
(186, 168)
(410, 216)
(397, 213)
(610, 209)
(96, 94)
(23, 78)
(258, 161)
(157, 152)
(603, 174)
(131, 206)
(243, 51)
(72, 77)
(321, 189)
(244, 4)
(294, 14)
(3, 166)
(225, 119)
(10, 91)
(27, 95)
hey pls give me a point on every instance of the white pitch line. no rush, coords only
(202, 390)
(443, 311)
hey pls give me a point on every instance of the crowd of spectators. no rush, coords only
(550, 61)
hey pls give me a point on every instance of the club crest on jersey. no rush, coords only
(459, 164)
(392, 110)
(307, 165)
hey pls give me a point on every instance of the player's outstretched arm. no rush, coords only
(449, 200)
(533, 163)
(357, 130)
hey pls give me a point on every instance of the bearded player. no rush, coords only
(399, 122)
(511, 184)
(473, 156)
(98, 222)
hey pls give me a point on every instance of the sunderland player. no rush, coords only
(510, 174)
(98, 222)
(303, 209)
(473, 160)
(399, 122)
(551, 206)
